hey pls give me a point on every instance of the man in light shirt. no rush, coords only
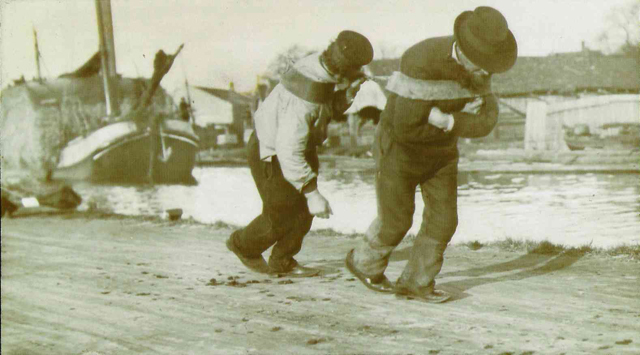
(289, 125)
(416, 145)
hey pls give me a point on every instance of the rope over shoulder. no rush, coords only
(428, 90)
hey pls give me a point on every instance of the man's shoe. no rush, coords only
(257, 264)
(434, 296)
(379, 284)
(296, 271)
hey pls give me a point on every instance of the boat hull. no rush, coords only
(625, 142)
(125, 154)
(609, 136)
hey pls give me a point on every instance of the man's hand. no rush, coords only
(442, 120)
(474, 106)
(481, 83)
(318, 205)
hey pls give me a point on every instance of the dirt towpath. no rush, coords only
(85, 284)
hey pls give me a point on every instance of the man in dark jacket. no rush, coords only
(442, 92)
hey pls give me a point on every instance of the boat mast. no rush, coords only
(108, 56)
(35, 37)
(192, 119)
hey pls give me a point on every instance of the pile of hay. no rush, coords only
(37, 119)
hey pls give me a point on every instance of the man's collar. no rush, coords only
(454, 55)
(324, 66)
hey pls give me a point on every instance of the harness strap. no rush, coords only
(307, 89)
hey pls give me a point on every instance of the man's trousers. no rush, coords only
(285, 217)
(398, 173)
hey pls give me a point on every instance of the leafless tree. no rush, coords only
(623, 32)
(283, 61)
(385, 50)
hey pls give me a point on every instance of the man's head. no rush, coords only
(484, 41)
(347, 54)
(468, 65)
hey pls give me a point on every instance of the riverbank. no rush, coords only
(477, 158)
(87, 283)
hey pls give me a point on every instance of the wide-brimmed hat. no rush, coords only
(355, 48)
(484, 37)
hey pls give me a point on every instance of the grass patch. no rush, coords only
(511, 244)
(631, 250)
(508, 244)
(474, 245)
(223, 225)
(105, 215)
(534, 247)
(548, 248)
(330, 232)
(409, 238)
(579, 251)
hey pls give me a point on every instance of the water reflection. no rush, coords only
(577, 209)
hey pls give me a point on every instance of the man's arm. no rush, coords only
(469, 125)
(411, 120)
(418, 121)
(291, 142)
(480, 124)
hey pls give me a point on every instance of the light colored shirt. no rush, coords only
(284, 122)
(370, 95)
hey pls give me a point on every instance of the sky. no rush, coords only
(234, 41)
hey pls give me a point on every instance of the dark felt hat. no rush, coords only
(355, 48)
(484, 37)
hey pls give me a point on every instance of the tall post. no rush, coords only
(108, 57)
(192, 119)
(536, 126)
(35, 38)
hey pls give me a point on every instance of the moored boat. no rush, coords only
(94, 125)
(610, 136)
(123, 153)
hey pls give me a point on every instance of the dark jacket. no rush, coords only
(406, 120)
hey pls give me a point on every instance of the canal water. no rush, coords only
(569, 209)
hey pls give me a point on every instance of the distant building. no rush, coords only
(555, 79)
(228, 111)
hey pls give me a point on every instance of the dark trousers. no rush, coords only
(285, 217)
(398, 175)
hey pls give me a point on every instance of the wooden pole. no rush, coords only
(35, 37)
(107, 54)
(192, 119)
(535, 126)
